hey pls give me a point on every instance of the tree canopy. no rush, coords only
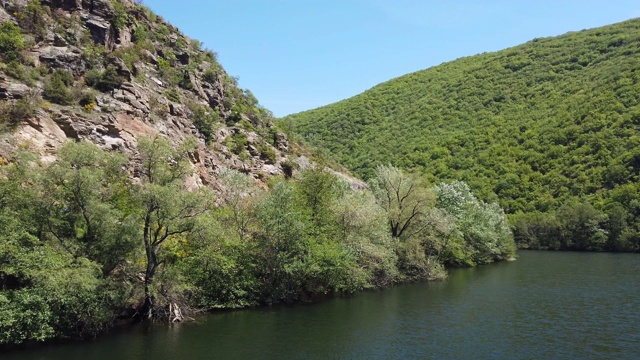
(547, 123)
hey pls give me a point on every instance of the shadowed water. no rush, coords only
(546, 305)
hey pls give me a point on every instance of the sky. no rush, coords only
(296, 55)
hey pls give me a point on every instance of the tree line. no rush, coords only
(83, 244)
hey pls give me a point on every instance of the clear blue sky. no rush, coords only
(296, 55)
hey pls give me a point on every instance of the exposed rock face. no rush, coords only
(10, 91)
(159, 92)
(68, 58)
(102, 8)
(100, 29)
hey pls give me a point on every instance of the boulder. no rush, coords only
(121, 68)
(100, 30)
(102, 8)
(4, 17)
(13, 90)
(63, 57)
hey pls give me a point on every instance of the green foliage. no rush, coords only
(317, 189)
(21, 72)
(483, 232)
(205, 121)
(88, 98)
(211, 75)
(173, 95)
(268, 153)
(11, 43)
(168, 71)
(13, 113)
(104, 81)
(120, 16)
(531, 127)
(288, 167)
(94, 56)
(140, 34)
(49, 230)
(239, 143)
(56, 87)
(166, 209)
(32, 18)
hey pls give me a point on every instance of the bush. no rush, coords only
(11, 42)
(94, 55)
(268, 154)
(210, 76)
(17, 71)
(239, 143)
(104, 81)
(168, 72)
(56, 87)
(32, 18)
(92, 77)
(120, 17)
(288, 167)
(173, 95)
(88, 100)
(140, 34)
(13, 113)
(204, 120)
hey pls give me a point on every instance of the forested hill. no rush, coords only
(548, 125)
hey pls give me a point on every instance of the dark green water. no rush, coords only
(546, 305)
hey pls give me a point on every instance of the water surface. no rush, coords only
(545, 305)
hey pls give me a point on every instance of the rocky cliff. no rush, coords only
(112, 71)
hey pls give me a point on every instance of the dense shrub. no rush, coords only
(104, 81)
(56, 87)
(205, 119)
(11, 43)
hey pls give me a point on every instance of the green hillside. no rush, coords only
(548, 126)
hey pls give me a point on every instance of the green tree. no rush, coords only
(83, 204)
(240, 194)
(361, 225)
(318, 188)
(167, 209)
(56, 87)
(284, 244)
(404, 199)
(483, 227)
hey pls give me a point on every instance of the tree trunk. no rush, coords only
(152, 264)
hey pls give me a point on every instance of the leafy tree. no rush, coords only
(166, 208)
(83, 204)
(318, 189)
(285, 244)
(483, 227)
(360, 224)
(404, 198)
(240, 195)
(581, 226)
(45, 290)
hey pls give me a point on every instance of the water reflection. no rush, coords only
(545, 305)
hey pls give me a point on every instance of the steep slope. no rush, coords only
(109, 72)
(550, 122)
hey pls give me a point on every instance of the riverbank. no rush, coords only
(517, 310)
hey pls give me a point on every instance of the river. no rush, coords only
(545, 305)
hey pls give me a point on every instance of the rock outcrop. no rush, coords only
(146, 78)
